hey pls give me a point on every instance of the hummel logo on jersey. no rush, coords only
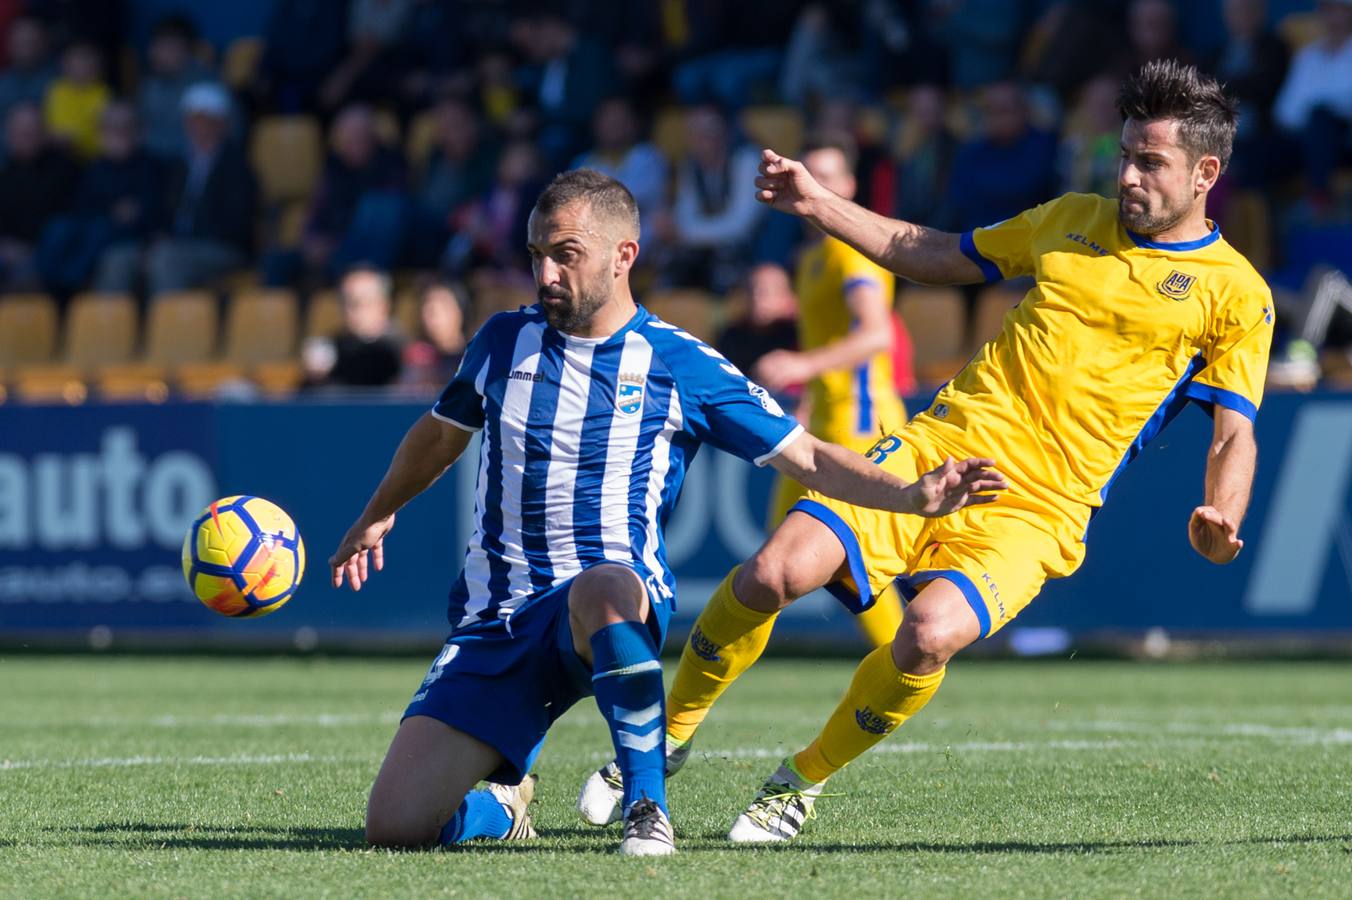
(1177, 285)
(629, 393)
(519, 375)
(871, 722)
(704, 648)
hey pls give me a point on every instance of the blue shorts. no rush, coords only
(507, 689)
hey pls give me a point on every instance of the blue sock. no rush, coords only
(480, 815)
(627, 679)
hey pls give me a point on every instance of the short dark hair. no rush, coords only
(1168, 89)
(834, 140)
(609, 200)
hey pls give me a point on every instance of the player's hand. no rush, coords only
(785, 185)
(1214, 535)
(955, 485)
(779, 369)
(362, 547)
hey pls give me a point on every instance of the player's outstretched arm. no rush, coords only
(837, 472)
(921, 254)
(427, 450)
(1213, 527)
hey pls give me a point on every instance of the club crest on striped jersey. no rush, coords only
(1177, 285)
(629, 393)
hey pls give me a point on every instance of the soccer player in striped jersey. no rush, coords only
(590, 410)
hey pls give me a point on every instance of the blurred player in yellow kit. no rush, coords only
(845, 352)
(1138, 307)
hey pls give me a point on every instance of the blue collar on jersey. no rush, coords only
(1142, 241)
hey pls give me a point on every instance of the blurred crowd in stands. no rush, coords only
(393, 148)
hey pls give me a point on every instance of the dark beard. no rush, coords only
(1146, 223)
(575, 314)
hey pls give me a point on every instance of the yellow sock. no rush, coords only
(880, 622)
(879, 699)
(727, 638)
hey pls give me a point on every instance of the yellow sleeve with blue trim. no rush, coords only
(1005, 249)
(1237, 354)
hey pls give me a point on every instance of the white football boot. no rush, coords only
(515, 798)
(602, 795)
(647, 830)
(779, 811)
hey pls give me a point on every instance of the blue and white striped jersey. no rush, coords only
(585, 443)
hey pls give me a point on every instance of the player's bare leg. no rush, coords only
(607, 609)
(892, 684)
(730, 635)
(423, 795)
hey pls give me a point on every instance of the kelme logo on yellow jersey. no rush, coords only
(1177, 285)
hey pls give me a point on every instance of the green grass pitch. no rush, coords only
(247, 776)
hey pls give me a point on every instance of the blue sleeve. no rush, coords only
(724, 408)
(461, 403)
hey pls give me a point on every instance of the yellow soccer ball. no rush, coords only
(243, 556)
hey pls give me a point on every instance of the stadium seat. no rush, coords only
(28, 325)
(694, 311)
(203, 380)
(407, 317)
(777, 127)
(239, 66)
(669, 132)
(287, 152)
(323, 314)
(132, 382)
(181, 328)
(936, 318)
(50, 384)
(991, 306)
(260, 326)
(101, 329)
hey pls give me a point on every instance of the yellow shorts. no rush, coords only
(786, 492)
(998, 554)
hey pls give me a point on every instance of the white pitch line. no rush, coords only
(1293, 733)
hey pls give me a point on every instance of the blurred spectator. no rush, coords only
(491, 230)
(436, 52)
(430, 361)
(1009, 168)
(1252, 62)
(769, 321)
(459, 168)
(368, 71)
(36, 183)
(120, 204)
(304, 42)
(173, 68)
(76, 99)
(1315, 103)
(366, 352)
(567, 76)
(97, 22)
(981, 36)
(30, 70)
(714, 215)
(1091, 141)
(819, 61)
(1070, 42)
(732, 52)
(357, 215)
(638, 165)
(1152, 33)
(211, 200)
(923, 151)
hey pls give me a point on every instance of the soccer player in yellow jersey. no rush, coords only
(845, 355)
(1138, 307)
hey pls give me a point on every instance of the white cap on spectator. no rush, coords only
(206, 98)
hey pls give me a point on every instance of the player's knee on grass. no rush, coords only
(938, 624)
(604, 595)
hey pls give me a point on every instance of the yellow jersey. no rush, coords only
(1117, 334)
(848, 405)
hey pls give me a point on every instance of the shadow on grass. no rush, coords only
(578, 841)
(182, 835)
